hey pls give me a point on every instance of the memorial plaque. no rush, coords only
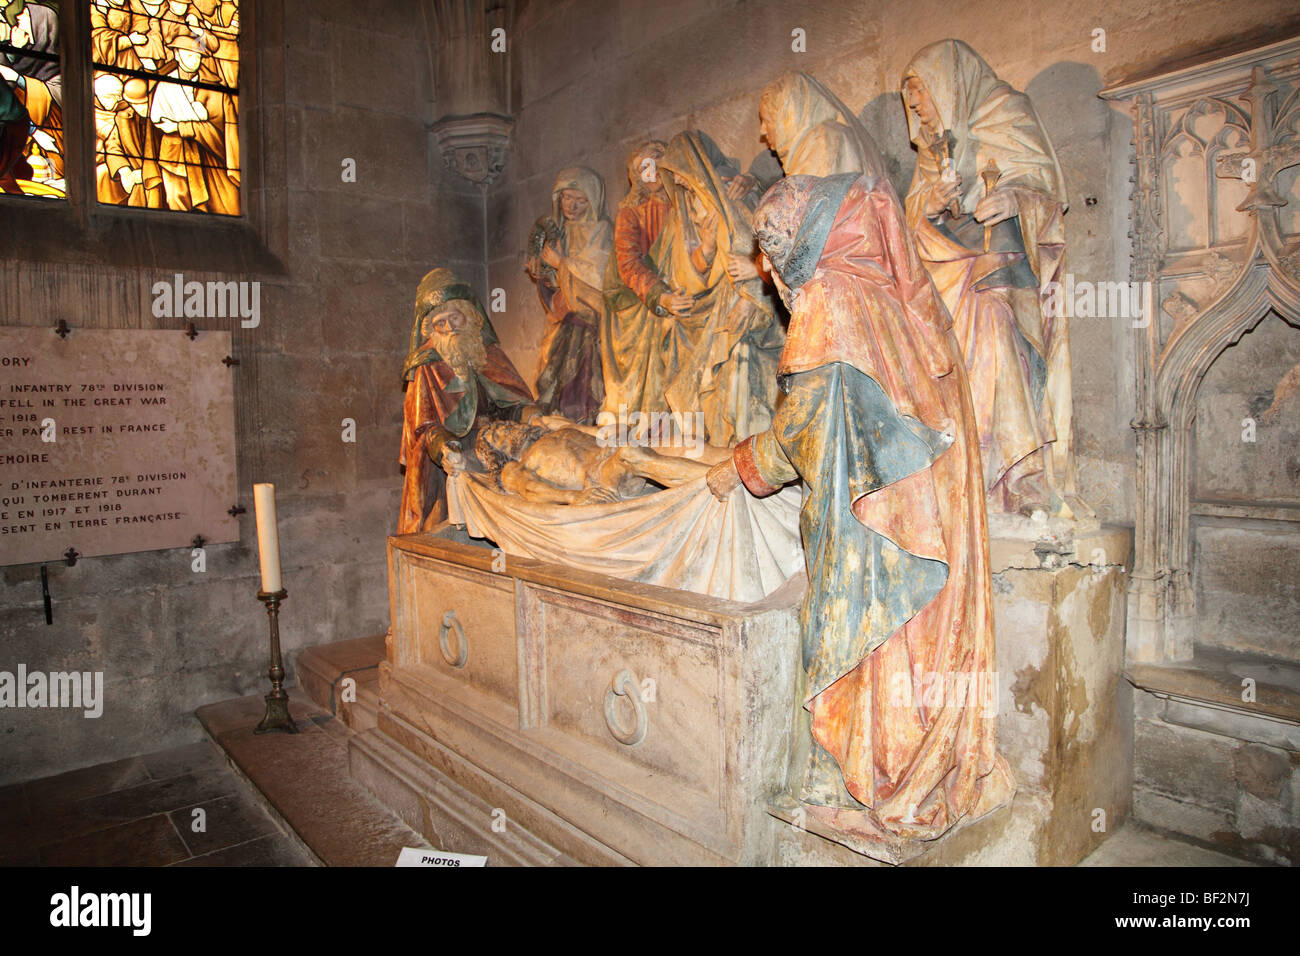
(114, 440)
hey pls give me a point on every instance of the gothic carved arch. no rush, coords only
(1212, 289)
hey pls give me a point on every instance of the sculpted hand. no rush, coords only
(996, 206)
(550, 256)
(739, 186)
(741, 267)
(552, 422)
(942, 193)
(677, 303)
(709, 235)
(453, 462)
(723, 479)
(597, 496)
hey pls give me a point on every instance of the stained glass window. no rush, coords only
(31, 100)
(166, 102)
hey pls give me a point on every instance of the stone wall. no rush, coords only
(1248, 570)
(1228, 780)
(338, 262)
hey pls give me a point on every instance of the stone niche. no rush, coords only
(617, 723)
(1214, 598)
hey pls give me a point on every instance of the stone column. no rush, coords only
(472, 85)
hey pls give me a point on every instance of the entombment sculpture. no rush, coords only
(986, 204)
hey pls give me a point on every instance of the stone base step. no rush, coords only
(302, 780)
(448, 815)
(322, 671)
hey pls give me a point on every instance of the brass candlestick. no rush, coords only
(277, 702)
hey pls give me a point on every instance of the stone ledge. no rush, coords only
(1017, 543)
(304, 782)
(1214, 678)
(320, 669)
(450, 816)
(1008, 836)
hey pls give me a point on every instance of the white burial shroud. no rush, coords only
(741, 549)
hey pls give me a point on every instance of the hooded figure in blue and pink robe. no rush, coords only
(877, 421)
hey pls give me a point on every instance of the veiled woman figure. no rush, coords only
(986, 204)
(569, 378)
(719, 355)
(897, 622)
(812, 132)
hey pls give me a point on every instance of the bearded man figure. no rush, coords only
(458, 379)
(565, 463)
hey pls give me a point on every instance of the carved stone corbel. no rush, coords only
(474, 146)
(472, 85)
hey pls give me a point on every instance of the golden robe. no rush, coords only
(720, 359)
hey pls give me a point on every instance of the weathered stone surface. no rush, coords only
(519, 722)
(1263, 772)
(1248, 585)
(1164, 755)
(1064, 713)
(1226, 779)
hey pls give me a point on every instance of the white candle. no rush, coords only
(268, 538)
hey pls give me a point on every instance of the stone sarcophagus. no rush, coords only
(570, 716)
(539, 714)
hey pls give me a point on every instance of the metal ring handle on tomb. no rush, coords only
(625, 685)
(449, 621)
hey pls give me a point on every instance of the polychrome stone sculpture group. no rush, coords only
(920, 380)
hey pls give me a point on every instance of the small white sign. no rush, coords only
(416, 856)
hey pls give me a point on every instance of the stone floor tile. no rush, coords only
(276, 850)
(1136, 845)
(19, 857)
(228, 821)
(75, 785)
(189, 758)
(54, 823)
(152, 841)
